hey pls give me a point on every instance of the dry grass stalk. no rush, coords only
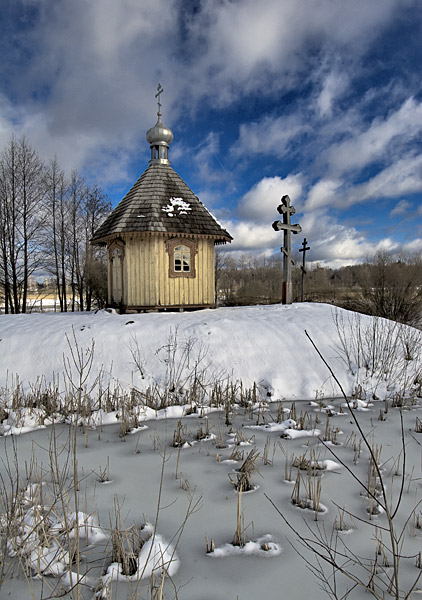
(280, 412)
(331, 433)
(210, 545)
(340, 521)
(202, 434)
(237, 454)
(311, 465)
(243, 480)
(179, 434)
(239, 536)
(219, 442)
(104, 473)
(265, 454)
(311, 499)
(288, 467)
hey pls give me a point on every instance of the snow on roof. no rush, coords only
(177, 206)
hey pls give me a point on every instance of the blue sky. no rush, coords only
(318, 99)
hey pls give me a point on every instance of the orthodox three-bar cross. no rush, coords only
(303, 249)
(160, 90)
(286, 210)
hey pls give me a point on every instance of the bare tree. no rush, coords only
(77, 191)
(76, 211)
(95, 209)
(57, 237)
(22, 195)
(393, 288)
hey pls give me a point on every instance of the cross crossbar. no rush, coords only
(279, 226)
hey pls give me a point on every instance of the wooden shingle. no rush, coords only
(161, 202)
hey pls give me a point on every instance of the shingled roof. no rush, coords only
(161, 202)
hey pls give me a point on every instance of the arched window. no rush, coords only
(181, 257)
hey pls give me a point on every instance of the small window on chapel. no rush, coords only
(181, 257)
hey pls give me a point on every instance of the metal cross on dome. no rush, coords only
(160, 90)
(286, 210)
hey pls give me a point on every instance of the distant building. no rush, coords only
(160, 239)
(32, 284)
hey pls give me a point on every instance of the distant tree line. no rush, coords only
(46, 222)
(385, 286)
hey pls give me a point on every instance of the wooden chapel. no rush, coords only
(160, 239)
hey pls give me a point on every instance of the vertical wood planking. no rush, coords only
(146, 274)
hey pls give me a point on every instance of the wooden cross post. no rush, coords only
(303, 249)
(286, 210)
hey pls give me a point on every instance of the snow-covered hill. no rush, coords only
(263, 344)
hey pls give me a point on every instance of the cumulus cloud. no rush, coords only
(413, 247)
(250, 236)
(260, 203)
(336, 244)
(332, 243)
(323, 193)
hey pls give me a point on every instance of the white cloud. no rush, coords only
(402, 207)
(95, 65)
(260, 203)
(413, 247)
(268, 136)
(331, 243)
(383, 139)
(95, 88)
(249, 236)
(323, 193)
(263, 45)
(402, 177)
(335, 244)
(333, 86)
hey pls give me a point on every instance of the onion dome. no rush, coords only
(159, 134)
(159, 137)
